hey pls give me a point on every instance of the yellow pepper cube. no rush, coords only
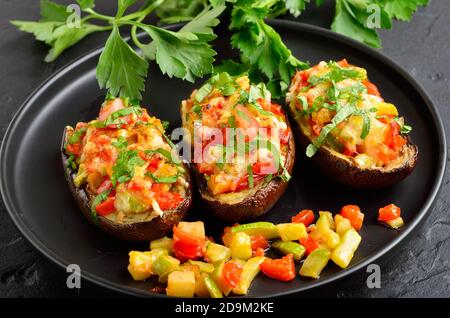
(325, 222)
(292, 231)
(395, 223)
(342, 224)
(343, 253)
(193, 228)
(333, 239)
(386, 109)
(181, 284)
(140, 263)
(241, 246)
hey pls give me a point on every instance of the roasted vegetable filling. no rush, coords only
(338, 107)
(126, 164)
(240, 138)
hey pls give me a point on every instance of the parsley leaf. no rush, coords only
(405, 129)
(97, 200)
(250, 176)
(52, 11)
(175, 11)
(203, 92)
(42, 31)
(260, 45)
(345, 22)
(296, 7)
(184, 54)
(402, 9)
(258, 91)
(120, 69)
(77, 134)
(340, 116)
(65, 37)
(231, 67)
(86, 4)
(359, 19)
(123, 169)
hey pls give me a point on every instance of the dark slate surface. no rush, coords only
(418, 269)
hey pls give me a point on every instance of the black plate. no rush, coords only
(39, 202)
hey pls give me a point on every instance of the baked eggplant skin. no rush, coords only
(137, 232)
(343, 170)
(253, 206)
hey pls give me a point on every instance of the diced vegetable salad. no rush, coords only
(192, 264)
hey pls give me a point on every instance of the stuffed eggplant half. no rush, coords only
(344, 123)
(123, 173)
(243, 148)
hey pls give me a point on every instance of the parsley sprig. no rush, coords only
(122, 69)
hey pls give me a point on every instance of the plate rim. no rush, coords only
(421, 215)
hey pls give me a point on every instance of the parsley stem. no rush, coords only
(134, 35)
(275, 14)
(142, 14)
(97, 15)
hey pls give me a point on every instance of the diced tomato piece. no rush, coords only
(305, 76)
(133, 186)
(270, 107)
(343, 63)
(391, 133)
(386, 118)
(259, 241)
(350, 150)
(210, 115)
(305, 216)
(153, 164)
(309, 244)
(393, 138)
(284, 136)
(354, 215)
(206, 168)
(232, 271)
(158, 187)
(80, 125)
(246, 121)
(102, 140)
(400, 141)
(372, 89)
(168, 200)
(105, 155)
(243, 182)
(227, 236)
(315, 128)
(259, 252)
(110, 107)
(106, 207)
(264, 168)
(74, 149)
(282, 269)
(388, 213)
(187, 246)
(106, 185)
